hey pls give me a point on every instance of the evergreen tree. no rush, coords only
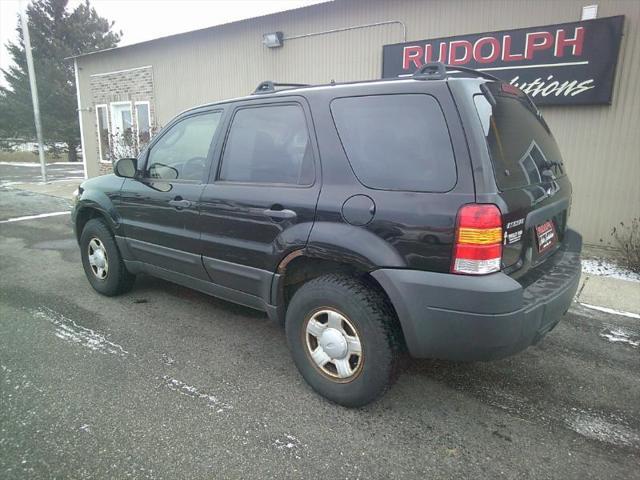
(56, 33)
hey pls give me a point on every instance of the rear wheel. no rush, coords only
(344, 339)
(102, 261)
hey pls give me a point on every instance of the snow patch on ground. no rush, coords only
(288, 443)
(621, 335)
(9, 184)
(605, 268)
(184, 389)
(60, 180)
(598, 428)
(35, 217)
(22, 164)
(68, 330)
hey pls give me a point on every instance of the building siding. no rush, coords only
(600, 144)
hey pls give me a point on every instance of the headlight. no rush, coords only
(75, 195)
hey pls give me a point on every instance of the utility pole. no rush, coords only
(34, 90)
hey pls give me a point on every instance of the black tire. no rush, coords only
(118, 279)
(368, 310)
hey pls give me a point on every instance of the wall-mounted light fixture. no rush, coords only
(589, 12)
(272, 40)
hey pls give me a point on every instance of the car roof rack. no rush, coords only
(438, 71)
(269, 87)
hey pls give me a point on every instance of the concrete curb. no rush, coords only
(620, 296)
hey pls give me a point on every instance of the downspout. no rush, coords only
(84, 152)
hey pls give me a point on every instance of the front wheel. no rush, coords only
(102, 261)
(344, 339)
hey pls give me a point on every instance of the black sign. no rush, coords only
(565, 64)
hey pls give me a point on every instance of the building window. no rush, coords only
(143, 123)
(102, 123)
(123, 143)
(124, 129)
(121, 119)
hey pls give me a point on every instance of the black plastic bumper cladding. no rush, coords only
(457, 317)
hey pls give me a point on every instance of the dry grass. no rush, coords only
(627, 239)
(29, 157)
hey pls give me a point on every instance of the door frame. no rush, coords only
(148, 248)
(260, 280)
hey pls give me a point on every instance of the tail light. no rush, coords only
(478, 243)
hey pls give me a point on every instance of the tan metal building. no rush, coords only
(148, 83)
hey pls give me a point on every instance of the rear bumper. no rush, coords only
(467, 318)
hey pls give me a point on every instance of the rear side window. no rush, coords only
(520, 143)
(396, 142)
(268, 145)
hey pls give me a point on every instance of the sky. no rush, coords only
(169, 16)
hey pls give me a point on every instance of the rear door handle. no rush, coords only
(280, 214)
(179, 203)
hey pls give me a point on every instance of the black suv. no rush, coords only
(424, 214)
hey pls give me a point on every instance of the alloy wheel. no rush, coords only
(98, 259)
(333, 345)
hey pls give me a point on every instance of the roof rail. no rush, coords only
(269, 87)
(438, 71)
(431, 71)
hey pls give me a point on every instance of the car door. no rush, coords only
(160, 209)
(260, 202)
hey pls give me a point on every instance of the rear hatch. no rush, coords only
(534, 193)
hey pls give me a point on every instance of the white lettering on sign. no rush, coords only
(514, 237)
(515, 223)
(568, 88)
(489, 49)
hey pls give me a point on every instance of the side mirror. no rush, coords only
(126, 167)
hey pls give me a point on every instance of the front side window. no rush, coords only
(103, 132)
(396, 142)
(268, 145)
(182, 152)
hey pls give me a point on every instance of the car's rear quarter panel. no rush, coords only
(417, 228)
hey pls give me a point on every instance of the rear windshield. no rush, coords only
(520, 143)
(396, 142)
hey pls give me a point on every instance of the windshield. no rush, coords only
(520, 143)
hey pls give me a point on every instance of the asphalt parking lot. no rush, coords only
(13, 174)
(165, 382)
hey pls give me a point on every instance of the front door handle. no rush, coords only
(179, 203)
(282, 214)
